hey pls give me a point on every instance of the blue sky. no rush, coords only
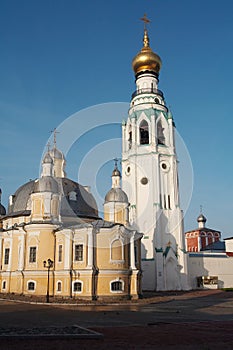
(58, 57)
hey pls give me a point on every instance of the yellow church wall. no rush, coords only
(14, 252)
(104, 284)
(43, 240)
(111, 257)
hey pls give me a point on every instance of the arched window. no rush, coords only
(116, 286)
(77, 287)
(130, 139)
(59, 286)
(160, 134)
(116, 250)
(31, 285)
(144, 133)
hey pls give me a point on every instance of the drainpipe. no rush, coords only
(23, 267)
(71, 265)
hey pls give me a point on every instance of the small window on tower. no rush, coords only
(144, 133)
(130, 139)
(160, 134)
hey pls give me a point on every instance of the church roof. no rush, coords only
(217, 246)
(82, 203)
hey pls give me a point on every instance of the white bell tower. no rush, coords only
(150, 177)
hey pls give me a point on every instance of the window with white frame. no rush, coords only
(32, 254)
(31, 285)
(60, 253)
(77, 287)
(117, 286)
(3, 284)
(78, 252)
(59, 286)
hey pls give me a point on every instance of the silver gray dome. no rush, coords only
(83, 207)
(116, 172)
(47, 158)
(55, 153)
(116, 195)
(201, 218)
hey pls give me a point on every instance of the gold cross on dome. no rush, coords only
(145, 20)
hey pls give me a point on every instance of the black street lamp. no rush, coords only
(48, 265)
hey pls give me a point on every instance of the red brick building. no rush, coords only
(202, 237)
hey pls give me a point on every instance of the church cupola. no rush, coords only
(116, 201)
(47, 165)
(201, 221)
(146, 66)
(146, 59)
(58, 158)
(45, 198)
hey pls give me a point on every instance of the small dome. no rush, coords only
(116, 195)
(55, 153)
(146, 59)
(201, 218)
(46, 184)
(116, 172)
(47, 158)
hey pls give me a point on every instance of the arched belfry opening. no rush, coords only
(160, 134)
(144, 133)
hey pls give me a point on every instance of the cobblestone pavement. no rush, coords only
(195, 320)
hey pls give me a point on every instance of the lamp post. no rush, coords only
(48, 265)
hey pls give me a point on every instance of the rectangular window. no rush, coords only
(32, 254)
(78, 252)
(60, 252)
(116, 286)
(6, 256)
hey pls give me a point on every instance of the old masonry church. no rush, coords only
(53, 241)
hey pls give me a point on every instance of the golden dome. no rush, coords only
(146, 59)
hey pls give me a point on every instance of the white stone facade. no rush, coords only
(211, 264)
(150, 180)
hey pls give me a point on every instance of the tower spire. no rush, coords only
(54, 132)
(116, 163)
(146, 40)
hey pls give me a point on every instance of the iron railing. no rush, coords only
(147, 91)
